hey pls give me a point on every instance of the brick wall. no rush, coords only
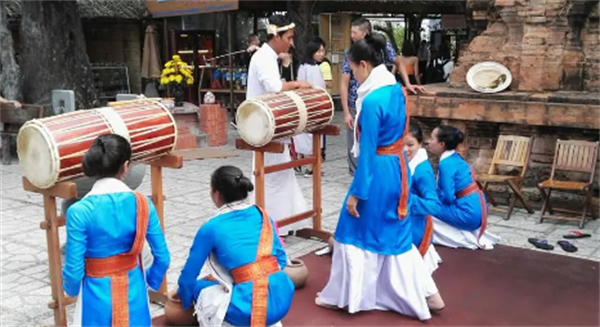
(590, 36)
(547, 45)
(213, 122)
(481, 143)
(116, 41)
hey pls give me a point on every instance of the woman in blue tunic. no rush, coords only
(106, 231)
(425, 201)
(375, 265)
(220, 274)
(462, 219)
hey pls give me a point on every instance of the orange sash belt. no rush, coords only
(396, 149)
(256, 270)
(473, 188)
(117, 267)
(427, 236)
(258, 273)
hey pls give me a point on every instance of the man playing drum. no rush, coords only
(283, 197)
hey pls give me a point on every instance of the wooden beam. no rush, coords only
(328, 130)
(290, 164)
(65, 190)
(168, 161)
(273, 147)
(313, 233)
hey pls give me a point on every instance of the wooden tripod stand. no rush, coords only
(260, 171)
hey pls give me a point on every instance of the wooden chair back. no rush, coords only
(512, 150)
(579, 156)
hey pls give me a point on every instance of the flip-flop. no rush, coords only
(574, 234)
(567, 246)
(541, 244)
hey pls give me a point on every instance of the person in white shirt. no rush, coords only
(283, 196)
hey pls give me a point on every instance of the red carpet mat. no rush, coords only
(503, 287)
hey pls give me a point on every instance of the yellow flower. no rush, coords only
(164, 80)
(172, 78)
(176, 58)
(178, 78)
(169, 64)
(190, 81)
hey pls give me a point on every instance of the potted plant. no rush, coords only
(175, 76)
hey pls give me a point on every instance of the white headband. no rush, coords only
(273, 29)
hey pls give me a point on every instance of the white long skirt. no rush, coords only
(432, 259)
(303, 143)
(452, 237)
(283, 196)
(361, 280)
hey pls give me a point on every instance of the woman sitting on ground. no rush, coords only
(106, 231)
(220, 274)
(462, 219)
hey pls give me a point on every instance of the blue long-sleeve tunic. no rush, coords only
(376, 182)
(104, 225)
(425, 200)
(454, 175)
(233, 238)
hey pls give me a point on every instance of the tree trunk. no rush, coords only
(54, 55)
(10, 78)
(300, 12)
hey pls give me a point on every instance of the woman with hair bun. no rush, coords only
(462, 218)
(106, 231)
(375, 265)
(234, 272)
(424, 198)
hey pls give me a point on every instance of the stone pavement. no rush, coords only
(25, 288)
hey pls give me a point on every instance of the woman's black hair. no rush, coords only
(279, 21)
(415, 131)
(371, 50)
(106, 156)
(311, 48)
(450, 135)
(408, 49)
(231, 183)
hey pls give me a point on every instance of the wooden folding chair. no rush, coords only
(578, 156)
(510, 151)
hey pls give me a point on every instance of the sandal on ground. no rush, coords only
(541, 244)
(574, 234)
(567, 246)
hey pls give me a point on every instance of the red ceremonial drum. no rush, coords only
(51, 149)
(282, 115)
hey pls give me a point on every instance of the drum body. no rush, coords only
(282, 115)
(51, 149)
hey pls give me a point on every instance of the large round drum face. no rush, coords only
(38, 156)
(255, 123)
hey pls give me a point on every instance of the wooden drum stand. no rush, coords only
(316, 160)
(67, 190)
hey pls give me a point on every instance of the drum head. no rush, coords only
(37, 155)
(255, 123)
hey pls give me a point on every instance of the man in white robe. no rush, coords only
(283, 196)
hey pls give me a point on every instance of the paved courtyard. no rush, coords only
(25, 288)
